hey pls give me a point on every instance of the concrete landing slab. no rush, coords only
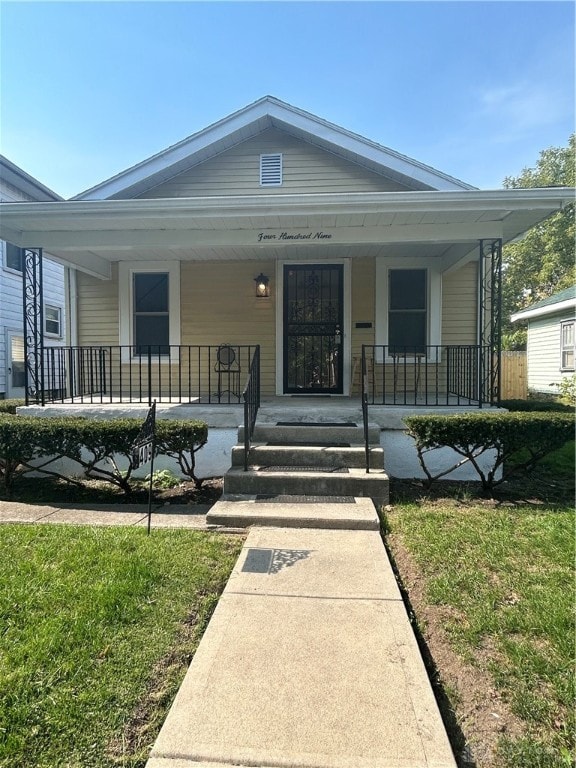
(309, 660)
(247, 511)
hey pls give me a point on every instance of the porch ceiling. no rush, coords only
(90, 235)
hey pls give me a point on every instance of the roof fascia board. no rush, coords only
(433, 200)
(549, 309)
(275, 110)
(16, 177)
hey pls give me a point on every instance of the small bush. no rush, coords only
(472, 434)
(567, 389)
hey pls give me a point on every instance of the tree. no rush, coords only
(543, 262)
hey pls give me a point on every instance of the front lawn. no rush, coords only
(491, 584)
(98, 626)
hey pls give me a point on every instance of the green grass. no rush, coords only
(93, 626)
(505, 573)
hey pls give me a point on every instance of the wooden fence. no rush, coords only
(514, 373)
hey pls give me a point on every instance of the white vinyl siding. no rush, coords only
(459, 305)
(305, 169)
(544, 354)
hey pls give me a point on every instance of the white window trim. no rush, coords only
(434, 299)
(48, 333)
(569, 321)
(126, 270)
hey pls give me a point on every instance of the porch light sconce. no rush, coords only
(262, 286)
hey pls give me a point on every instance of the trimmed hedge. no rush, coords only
(472, 434)
(30, 443)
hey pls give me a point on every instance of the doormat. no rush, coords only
(328, 470)
(284, 499)
(316, 424)
(316, 444)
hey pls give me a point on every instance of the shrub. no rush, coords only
(535, 405)
(567, 389)
(36, 443)
(10, 405)
(472, 434)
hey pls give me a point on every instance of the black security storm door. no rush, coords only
(313, 328)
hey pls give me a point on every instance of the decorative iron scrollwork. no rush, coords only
(490, 319)
(32, 299)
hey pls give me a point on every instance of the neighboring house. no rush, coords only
(276, 228)
(16, 186)
(551, 344)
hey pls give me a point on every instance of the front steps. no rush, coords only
(293, 464)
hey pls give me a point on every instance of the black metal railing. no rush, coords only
(365, 410)
(437, 375)
(251, 397)
(127, 374)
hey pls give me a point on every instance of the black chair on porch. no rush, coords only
(228, 369)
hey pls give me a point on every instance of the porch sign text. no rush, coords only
(266, 237)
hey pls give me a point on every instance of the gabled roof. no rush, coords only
(16, 177)
(559, 302)
(248, 122)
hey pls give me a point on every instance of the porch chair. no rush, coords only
(228, 369)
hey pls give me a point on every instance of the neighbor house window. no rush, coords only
(567, 342)
(14, 257)
(151, 318)
(407, 311)
(271, 170)
(52, 321)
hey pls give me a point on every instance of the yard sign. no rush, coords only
(143, 450)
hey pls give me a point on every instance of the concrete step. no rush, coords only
(294, 512)
(309, 482)
(312, 432)
(311, 456)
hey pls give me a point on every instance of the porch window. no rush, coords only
(407, 311)
(13, 257)
(151, 320)
(149, 307)
(567, 342)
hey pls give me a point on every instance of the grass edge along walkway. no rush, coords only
(86, 614)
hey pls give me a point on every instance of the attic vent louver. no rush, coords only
(271, 170)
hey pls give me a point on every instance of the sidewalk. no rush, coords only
(309, 660)
(163, 516)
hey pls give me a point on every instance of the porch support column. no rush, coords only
(33, 307)
(489, 320)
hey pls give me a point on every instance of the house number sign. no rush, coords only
(266, 237)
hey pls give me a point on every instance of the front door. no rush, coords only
(313, 325)
(15, 364)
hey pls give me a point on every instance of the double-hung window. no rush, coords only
(13, 257)
(151, 312)
(567, 345)
(407, 311)
(53, 321)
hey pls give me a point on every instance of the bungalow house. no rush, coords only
(16, 186)
(551, 344)
(277, 253)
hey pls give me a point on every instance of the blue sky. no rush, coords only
(476, 89)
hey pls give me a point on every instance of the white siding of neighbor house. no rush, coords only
(11, 291)
(306, 169)
(543, 353)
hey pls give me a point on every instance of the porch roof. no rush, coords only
(446, 225)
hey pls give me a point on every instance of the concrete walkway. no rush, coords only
(309, 660)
